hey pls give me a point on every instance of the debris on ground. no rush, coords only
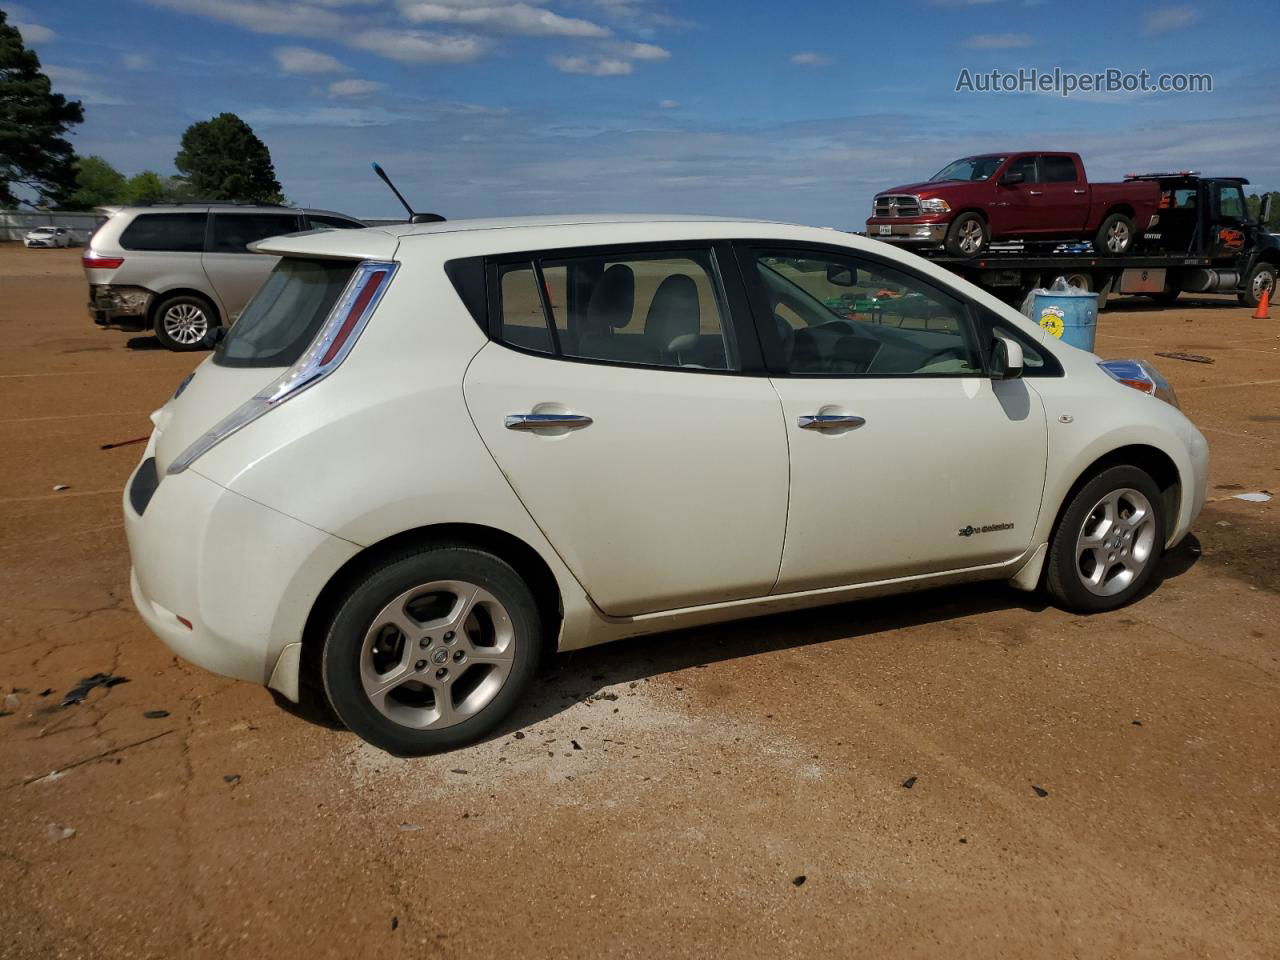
(78, 693)
(59, 487)
(1040, 791)
(519, 734)
(155, 714)
(1262, 497)
(799, 881)
(458, 770)
(576, 745)
(1191, 357)
(58, 832)
(123, 443)
(909, 782)
(12, 701)
(395, 922)
(231, 778)
(409, 827)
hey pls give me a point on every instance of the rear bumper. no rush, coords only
(108, 303)
(912, 230)
(242, 576)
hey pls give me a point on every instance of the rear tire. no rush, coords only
(1108, 542)
(432, 649)
(967, 236)
(1115, 236)
(185, 322)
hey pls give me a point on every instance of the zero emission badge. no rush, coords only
(1051, 320)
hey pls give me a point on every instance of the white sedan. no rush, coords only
(47, 237)
(427, 453)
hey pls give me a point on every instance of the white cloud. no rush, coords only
(304, 60)
(321, 117)
(669, 104)
(593, 66)
(136, 61)
(33, 32)
(353, 88)
(999, 41)
(521, 18)
(76, 83)
(642, 51)
(1170, 18)
(264, 16)
(810, 59)
(421, 46)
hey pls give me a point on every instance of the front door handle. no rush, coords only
(1079, 190)
(1036, 193)
(829, 421)
(546, 421)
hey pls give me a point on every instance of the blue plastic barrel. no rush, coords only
(1072, 319)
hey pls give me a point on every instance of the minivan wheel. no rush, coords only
(432, 649)
(185, 322)
(1108, 542)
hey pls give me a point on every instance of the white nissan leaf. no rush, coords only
(428, 453)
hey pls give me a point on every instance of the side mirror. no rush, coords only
(841, 276)
(1006, 359)
(1264, 212)
(1012, 179)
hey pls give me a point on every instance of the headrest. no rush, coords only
(673, 312)
(612, 299)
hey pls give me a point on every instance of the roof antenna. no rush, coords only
(413, 217)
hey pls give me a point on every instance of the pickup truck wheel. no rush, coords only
(967, 236)
(1115, 236)
(1261, 278)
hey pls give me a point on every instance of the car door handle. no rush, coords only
(829, 421)
(1079, 190)
(547, 421)
(1036, 193)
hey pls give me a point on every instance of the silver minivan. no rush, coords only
(185, 270)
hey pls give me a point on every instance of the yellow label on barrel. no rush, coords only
(1051, 320)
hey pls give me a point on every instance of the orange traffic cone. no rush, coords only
(1264, 306)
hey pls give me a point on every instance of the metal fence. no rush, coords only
(15, 224)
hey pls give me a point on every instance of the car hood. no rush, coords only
(931, 188)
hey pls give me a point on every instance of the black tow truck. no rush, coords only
(1204, 241)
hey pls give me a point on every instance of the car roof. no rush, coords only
(200, 207)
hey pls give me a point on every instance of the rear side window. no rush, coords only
(233, 232)
(283, 318)
(1058, 169)
(169, 232)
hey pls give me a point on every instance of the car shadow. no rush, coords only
(579, 676)
(143, 343)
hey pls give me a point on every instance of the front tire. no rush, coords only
(1108, 543)
(432, 649)
(967, 236)
(185, 322)
(1115, 236)
(1261, 277)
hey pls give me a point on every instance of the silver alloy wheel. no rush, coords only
(186, 323)
(1116, 542)
(437, 654)
(971, 236)
(1118, 237)
(1262, 282)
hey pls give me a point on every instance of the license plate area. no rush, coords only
(886, 229)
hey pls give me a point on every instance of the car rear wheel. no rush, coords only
(1108, 542)
(185, 322)
(1115, 236)
(967, 236)
(432, 649)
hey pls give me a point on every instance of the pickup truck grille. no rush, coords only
(893, 205)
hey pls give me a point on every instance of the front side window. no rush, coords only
(168, 232)
(1231, 203)
(286, 313)
(839, 315)
(233, 232)
(970, 168)
(1025, 166)
(1058, 169)
(661, 309)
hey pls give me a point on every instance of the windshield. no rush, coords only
(282, 319)
(970, 168)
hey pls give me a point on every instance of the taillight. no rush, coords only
(92, 261)
(372, 282)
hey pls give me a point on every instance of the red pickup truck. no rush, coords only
(1001, 196)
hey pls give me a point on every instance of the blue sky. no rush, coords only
(798, 111)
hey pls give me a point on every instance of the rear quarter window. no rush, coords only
(169, 232)
(284, 316)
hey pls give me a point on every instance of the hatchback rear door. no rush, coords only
(635, 426)
(233, 271)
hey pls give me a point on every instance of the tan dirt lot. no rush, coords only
(716, 766)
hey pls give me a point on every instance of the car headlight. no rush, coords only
(935, 205)
(1141, 376)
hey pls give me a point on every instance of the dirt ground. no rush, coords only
(1102, 787)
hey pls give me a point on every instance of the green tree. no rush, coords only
(149, 187)
(33, 119)
(98, 184)
(1254, 203)
(222, 159)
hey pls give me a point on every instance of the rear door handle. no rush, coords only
(1036, 193)
(546, 421)
(1079, 190)
(829, 421)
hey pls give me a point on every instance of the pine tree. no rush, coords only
(222, 159)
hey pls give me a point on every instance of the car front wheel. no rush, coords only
(1115, 236)
(432, 649)
(1108, 542)
(967, 235)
